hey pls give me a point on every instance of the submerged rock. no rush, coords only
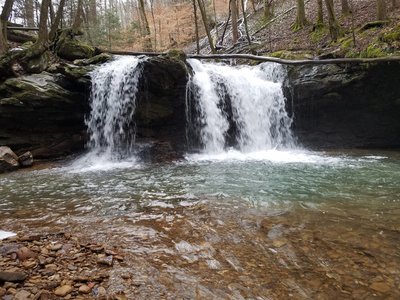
(12, 276)
(8, 160)
(26, 159)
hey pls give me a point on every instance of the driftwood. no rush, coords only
(20, 37)
(23, 28)
(267, 58)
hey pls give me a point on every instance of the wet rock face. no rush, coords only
(346, 105)
(42, 113)
(160, 112)
(8, 160)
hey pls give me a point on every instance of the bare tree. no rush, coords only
(57, 20)
(268, 9)
(320, 13)
(234, 12)
(196, 26)
(381, 10)
(345, 7)
(334, 27)
(205, 23)
(29, 13)
(245, 22)
(78, 18)
(5, 15)
(43, 37)
(301, 20)
(146, 28)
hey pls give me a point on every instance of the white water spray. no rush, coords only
(113, 101)
(243, 107)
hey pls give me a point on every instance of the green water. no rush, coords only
(265, 225)
(277, 180)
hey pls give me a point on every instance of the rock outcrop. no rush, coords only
(43, 113)
(160, 112)
(349, 106)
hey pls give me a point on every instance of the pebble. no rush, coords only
(24, 253)
(84, 289)
(63, 290)
(381, 287)
(108, 260)
(12, 276)
(55, 247)
(22, 295)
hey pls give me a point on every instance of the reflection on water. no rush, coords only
(299, 224)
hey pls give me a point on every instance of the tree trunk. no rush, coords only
(381, 10)
(146, 28)
(43, 38)
(196, 27)
(394, 4)
(154, 24)
(205, 23)
(92, 15)
(334, 27)
(29, 13)
(245, 22)
(57, 20)
(345, 8)
(268, 10)
(301, 20)
(5, 15)
(234, 12)
(78, 18)
(320, 13)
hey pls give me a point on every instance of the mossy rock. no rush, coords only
(320, 32)
(372, 51)
(284, 54)
(177, 54)
(38, 64)
(98, 59)
(70, 48)
(74, 49)
(391, 36)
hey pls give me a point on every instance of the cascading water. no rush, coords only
(113, 100)
(241, 107)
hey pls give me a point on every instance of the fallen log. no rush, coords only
(266, 58)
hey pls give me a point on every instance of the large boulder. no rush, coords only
(43, 113)
(8, 160)
(69, 47)
(160, 113)
(347, 105)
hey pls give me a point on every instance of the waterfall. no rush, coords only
(241, 107)
(111, 126)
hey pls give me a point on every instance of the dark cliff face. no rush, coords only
(160, 112)
(350, 106)
(333, 107)
(43, 113)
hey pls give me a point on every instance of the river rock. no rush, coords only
(381, 287)
(8, 160)
(84, 289)
(26, 159)
(24, 253)
(12, 276)
(63, 290)
(22, 295)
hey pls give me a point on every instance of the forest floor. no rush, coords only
(277, 38)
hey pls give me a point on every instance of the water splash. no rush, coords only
(111, 126)
(241, 107)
